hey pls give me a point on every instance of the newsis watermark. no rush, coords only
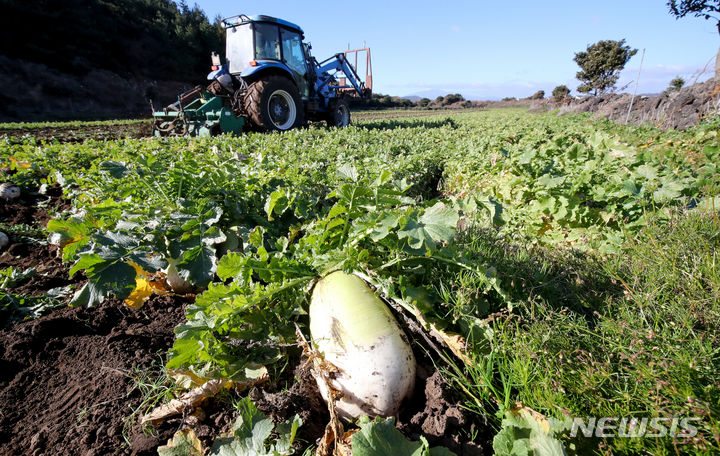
(680, 427)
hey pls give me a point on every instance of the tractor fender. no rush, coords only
(269, 66)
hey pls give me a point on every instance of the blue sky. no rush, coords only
(490, 50)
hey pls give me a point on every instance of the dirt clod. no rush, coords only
(435, 412)
(302, 398)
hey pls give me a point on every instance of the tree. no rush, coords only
(676, 84)
(560, 92)
(423, 102)
(539, 95)
(452, 98)
(601, 64)
(708, 9)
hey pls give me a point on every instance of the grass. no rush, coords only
(632, 335)
(156, 388)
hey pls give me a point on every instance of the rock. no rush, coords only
(37, 441)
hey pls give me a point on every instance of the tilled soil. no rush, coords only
(434, 411)
(65, 378)
(65, 384)
(81, 133)
(32, 207)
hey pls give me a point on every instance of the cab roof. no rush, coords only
(234, 21)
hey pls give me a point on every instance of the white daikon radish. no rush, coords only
(177, 283)
(9, 191)
(356, 332)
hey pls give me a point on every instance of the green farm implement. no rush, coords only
(202, 115)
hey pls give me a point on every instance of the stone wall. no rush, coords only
(679, 109)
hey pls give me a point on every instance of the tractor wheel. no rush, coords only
(274, 104)
(339, 115)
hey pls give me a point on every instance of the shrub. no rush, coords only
(676, 84)
(560, 92)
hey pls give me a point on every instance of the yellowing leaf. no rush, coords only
(183, 443)
(19, 164)
(546, 227)
(140, 294)
(144, 288)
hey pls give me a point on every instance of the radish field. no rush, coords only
(557, 277)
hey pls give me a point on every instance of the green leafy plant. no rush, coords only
(249, 318)
(251, 432)
(525, 434)
(379, 437)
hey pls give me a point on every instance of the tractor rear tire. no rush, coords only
(339, 115)
(274, 104)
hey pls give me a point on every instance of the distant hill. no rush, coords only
(76, 59)
(152, 38)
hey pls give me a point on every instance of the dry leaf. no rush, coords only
(195, 396)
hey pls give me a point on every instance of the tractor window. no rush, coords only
(293, 51)
(294, 58)
(267, 41)
(238, 49)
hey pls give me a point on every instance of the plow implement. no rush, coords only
(196, 113)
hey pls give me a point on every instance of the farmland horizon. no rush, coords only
(492, 51)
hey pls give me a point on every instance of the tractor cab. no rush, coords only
(259, 43)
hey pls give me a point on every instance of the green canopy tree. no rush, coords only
(708, 9)
(601, 64)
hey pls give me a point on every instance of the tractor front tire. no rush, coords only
(274, 104)
(339, 115)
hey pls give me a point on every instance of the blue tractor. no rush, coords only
(269, 82)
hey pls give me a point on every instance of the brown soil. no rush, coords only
(27, 250)
(436, 412)
(82, 132)
(65, 379)
(33, 208)
(302, 398)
